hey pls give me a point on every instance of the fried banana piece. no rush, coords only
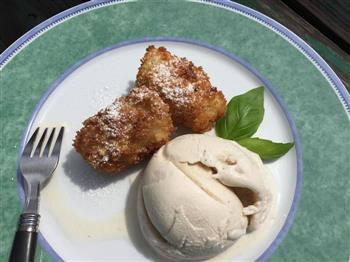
(186, 88)
(126, 132)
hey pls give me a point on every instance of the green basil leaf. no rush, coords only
(243, 115)
(266, 149)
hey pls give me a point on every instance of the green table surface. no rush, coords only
(322, 228)
(20, 16)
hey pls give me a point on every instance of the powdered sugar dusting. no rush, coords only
(109, 117)
(105, 158)
(171, 86)
(113, 110)
(163, 71)
(178, 94)
(140, 93)
(103, 96)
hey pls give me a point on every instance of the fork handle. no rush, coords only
(24, 243)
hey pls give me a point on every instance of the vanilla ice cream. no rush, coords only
(199, 194)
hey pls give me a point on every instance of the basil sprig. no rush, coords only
(243, 116)
(266, 149)
(242, 119)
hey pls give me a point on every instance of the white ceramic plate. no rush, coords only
(92, 216)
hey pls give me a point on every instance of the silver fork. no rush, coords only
(36, 165)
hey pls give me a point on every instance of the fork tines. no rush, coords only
(45, 146)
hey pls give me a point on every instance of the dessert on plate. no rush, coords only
(200, 194)
(125, 132)
(168, 89)
(193, 101)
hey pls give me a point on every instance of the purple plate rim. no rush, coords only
(291, 214)
(336, 84)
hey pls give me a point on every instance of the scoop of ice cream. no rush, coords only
(188, 195)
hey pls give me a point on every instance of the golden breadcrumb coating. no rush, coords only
(186, 88)
(126, 132)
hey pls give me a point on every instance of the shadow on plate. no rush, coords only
(131, 85)
(84, 176)
(181, 130)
